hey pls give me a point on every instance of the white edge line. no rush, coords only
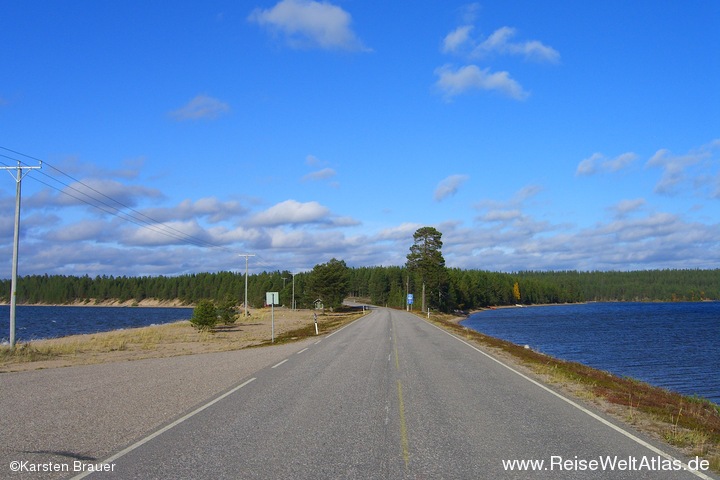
(597, 417)
(278, 364)
(166, 428)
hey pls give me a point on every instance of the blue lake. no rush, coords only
(33, 322)
(671, 345)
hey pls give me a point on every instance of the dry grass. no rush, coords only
(689, 423)
(167, 340)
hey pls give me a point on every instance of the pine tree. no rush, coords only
(330, 282)
(426, 261)
(204, 316)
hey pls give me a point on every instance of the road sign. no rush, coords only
(272, 298)
(410, 299)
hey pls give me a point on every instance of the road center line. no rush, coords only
(404, 443)
(403, 426)
(597, 417)
(278, 364)
(303, 350)
(177, 422)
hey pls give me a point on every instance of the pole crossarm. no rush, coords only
(20, 174)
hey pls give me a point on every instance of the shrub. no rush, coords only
(227, 311)
(205, 316)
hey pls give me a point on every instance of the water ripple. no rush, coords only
(671, 345)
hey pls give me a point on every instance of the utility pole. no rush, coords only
(293, 293)
(13, 285)
(246, 255)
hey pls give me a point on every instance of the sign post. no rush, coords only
(272, 298)
(410, 299)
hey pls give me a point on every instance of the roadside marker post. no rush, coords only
(272, 298)
(316, 329)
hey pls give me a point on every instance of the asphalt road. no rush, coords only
(391, 396)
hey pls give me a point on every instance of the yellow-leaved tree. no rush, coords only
(516, 291)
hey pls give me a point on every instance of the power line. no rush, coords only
(136, 217)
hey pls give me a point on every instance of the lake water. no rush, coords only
(671, 345)
(32, 322)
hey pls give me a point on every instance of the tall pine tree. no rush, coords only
(426, 263)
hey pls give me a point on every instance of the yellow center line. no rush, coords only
(401, 408)
(403, 427)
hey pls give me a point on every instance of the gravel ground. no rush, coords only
(89, 412)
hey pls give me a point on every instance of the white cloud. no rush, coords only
(588, 166)
(500, 42)
(469, 12)
(505, 234)
(454, 81)
(620, 162)
(456, 39)
(404, 230)
(313, 161)
(501, 215)
(81, 231)
(307, 23)
(694, 170)
(201, 107)
(508, 238)
(599, 163)
(527, 192)
(209, 207)
(106, 195)
(520, 242)
(510, 223)
(167, 233)
(323, 174)
(292, 212)
(517, 199)
(625, 207)
(449, 186)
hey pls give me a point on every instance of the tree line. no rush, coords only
(458, 289)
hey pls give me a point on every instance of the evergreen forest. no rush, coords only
(385, 285)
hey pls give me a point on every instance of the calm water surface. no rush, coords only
(671, 345)
(33, 322)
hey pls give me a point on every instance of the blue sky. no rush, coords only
(538, 135)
